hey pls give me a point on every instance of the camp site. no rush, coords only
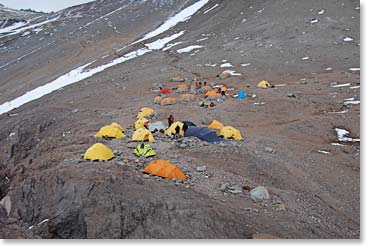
(168, 119)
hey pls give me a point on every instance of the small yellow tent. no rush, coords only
(230, 132)
(143, 134)
(140, 123)
(263, 84)
(164, 169)
(145, 112)
(110, 131)
(118, 126)
(98, 152)
(172, 129)
(216, 125)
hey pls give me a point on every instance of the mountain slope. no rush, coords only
(110, 53)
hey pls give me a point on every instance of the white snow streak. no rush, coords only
(181, 16)
(189, 48)
(206, 11)
(16, 31)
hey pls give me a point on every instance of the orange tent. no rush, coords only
(224, 88)
(205, 88)
(212, 95)
(177, 79)
(187, 97)
(182, 88)
(168, 101)
(158, 100)
(164, 169)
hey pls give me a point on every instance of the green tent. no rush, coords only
(144, 150)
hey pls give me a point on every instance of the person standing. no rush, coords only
(171, 119)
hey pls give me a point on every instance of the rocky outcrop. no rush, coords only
(86, 201)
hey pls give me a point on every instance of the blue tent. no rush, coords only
(241, 95)
(203, 133)
(188, 123)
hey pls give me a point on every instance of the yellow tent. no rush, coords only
(216, 125)
(164, 169)
(140, 123)
(143, 134)
(98, 152)
(110, 131)
(118, 126)
(172, 129)
(230, 132)
(145, 112)
(263, 84)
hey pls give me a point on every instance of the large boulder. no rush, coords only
(259, 194)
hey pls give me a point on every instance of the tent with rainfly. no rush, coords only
(203, 133)
(263, 84)
(187, 97)
(172, 129)
(168, 101)
(143, 134)
(230, 132)
(164, 169)
(216, 125)
(98, 152)
(110, 132)
(118, 126)
(144, 150)
(165, 90)
(145, 112)
(183, 88)
(212, 95)
(205, 89)
(189, 123)
(140, 123)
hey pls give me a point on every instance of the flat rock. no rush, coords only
(269, 149)
(201, 168)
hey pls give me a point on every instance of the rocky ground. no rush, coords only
(301, 47)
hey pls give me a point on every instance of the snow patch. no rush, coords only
(226, 65)
(353, 69)
(305, 58)
(340, 85)
(189, 48)
(168, 46)
(347, 39)
(323, 152)
(232, 72)
(245, 64)
(202, 39)
(343, 136)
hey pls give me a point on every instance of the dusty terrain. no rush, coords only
(313, 194)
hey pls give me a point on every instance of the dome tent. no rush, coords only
(99, 152)
(110, 132)
(164, 169)
(230, 132)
